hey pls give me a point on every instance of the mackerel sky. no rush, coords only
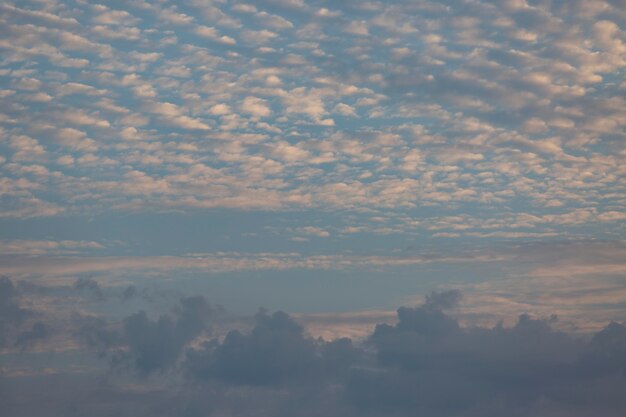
(333, 159)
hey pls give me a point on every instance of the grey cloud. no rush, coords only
(607, 351)
(129, 293)
(89, 285)
(428, 363)
(425, 364)
(38, 332)
(96, 333)
(143, 345)
(13, 318)
(274, 352)
(11, 314)
(443, 300)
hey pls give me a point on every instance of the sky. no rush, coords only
(215, 207)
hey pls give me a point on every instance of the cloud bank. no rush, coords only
(425, 363)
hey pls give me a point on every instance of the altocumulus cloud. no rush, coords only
(427, 363)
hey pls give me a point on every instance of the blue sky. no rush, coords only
(331, 159)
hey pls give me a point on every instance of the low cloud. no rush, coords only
(11, 314)
(275, 352)
(90, 286)
(426, 363)
(14, 318)
(143, 345)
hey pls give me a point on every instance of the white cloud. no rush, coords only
(174, 115)
(220, 109)
(26, 148)
(357, 28)
(289, 153)
(45, 247)
(255, 106)
(76, 140)
(258, 36)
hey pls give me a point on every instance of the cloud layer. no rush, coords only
(507, 119)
